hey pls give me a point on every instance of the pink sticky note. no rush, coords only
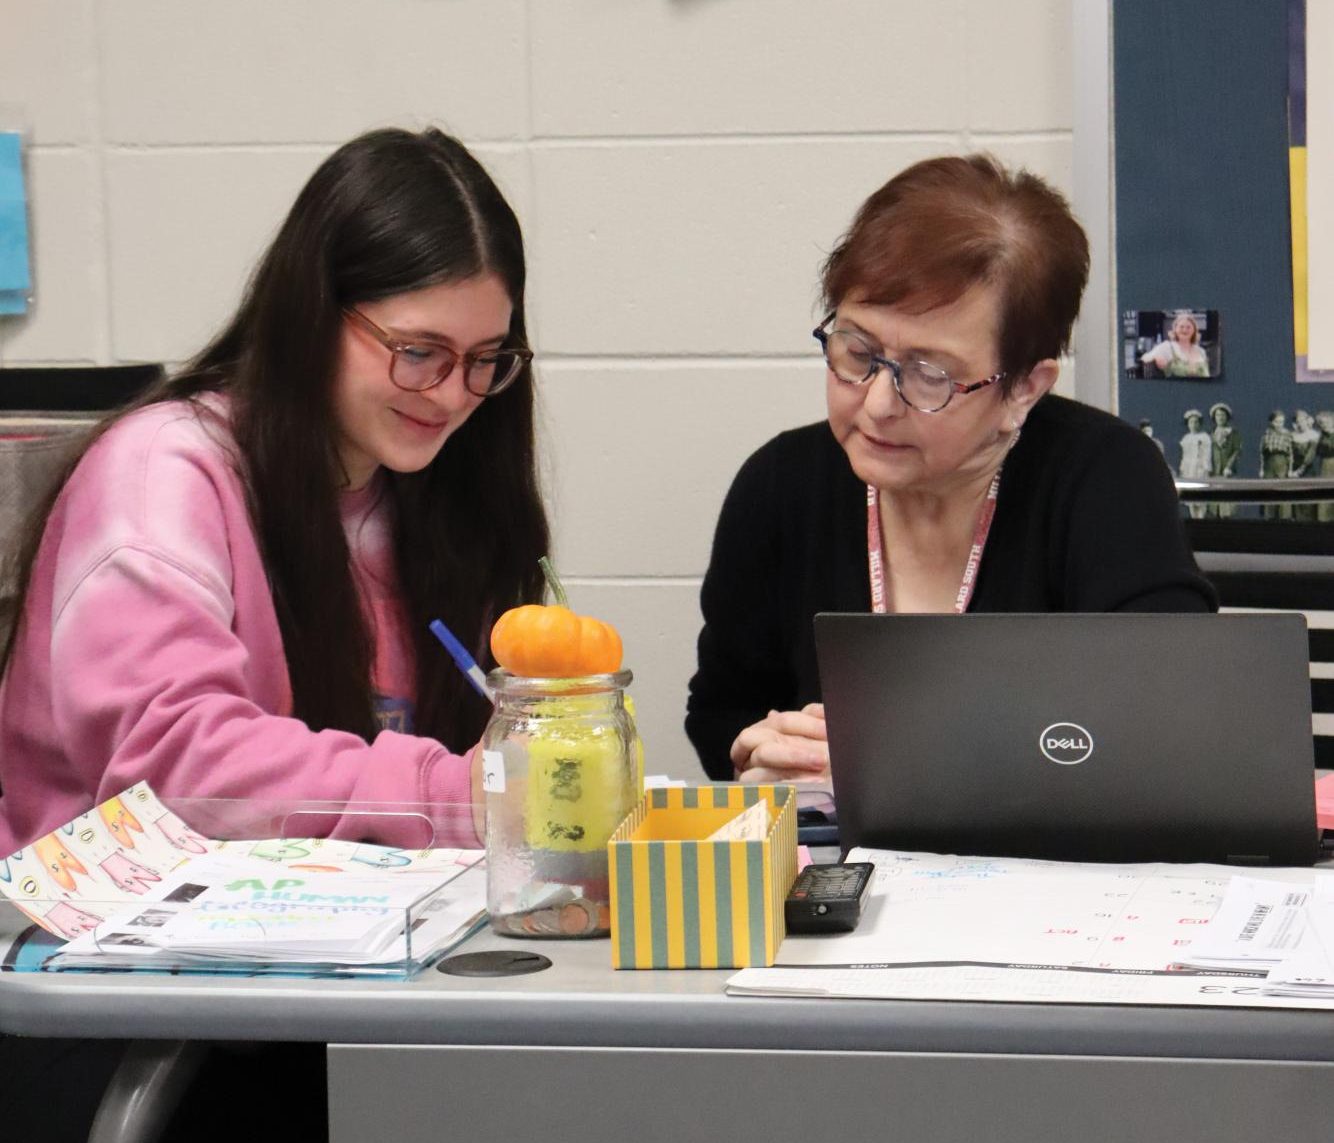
(1324, 801)
(804, 855)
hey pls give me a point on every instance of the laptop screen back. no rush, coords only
(1110, 737)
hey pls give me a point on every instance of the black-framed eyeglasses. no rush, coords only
(923, 386)
(419, 365)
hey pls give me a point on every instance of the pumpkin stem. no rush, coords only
(553, 582)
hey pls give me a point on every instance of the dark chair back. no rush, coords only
(1280, 565)
(43, 415)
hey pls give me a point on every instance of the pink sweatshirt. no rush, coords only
(150, 651)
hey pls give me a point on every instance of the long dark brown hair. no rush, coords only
(389, 212)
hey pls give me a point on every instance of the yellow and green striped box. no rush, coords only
(678, 901)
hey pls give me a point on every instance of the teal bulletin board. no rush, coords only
(1203, 223)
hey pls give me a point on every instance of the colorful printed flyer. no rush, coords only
(129, 878)
(78, 874)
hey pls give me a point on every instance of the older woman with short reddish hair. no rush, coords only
(947, 476)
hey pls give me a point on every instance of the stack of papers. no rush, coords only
(131, 885)
(1257, 925)
(1308, 971)
(1284, 930)
(946, 927)
(220, 908)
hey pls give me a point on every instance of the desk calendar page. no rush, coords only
(979, 928)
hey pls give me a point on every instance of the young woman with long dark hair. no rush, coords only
(228, 592)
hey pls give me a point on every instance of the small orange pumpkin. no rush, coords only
(552, 642)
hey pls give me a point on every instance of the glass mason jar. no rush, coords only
(560, 772)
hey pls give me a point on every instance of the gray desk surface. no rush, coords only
(581, 1002)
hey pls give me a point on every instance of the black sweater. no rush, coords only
(1086, 519)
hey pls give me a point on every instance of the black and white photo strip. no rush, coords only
(1289, 444)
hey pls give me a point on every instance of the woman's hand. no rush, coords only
(787, 746)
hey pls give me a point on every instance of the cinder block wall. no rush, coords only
(681, 167)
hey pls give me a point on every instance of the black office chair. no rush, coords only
(1277, 564)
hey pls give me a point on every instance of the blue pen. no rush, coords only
(459, 653)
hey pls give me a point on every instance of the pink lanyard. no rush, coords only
(875, 560)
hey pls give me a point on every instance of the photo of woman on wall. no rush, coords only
(1180, 353)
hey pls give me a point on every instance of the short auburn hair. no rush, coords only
(945, 225)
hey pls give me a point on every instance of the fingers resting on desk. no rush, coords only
(785, 746)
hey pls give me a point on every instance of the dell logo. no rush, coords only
(1066, 743)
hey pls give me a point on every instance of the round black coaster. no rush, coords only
(496, 962)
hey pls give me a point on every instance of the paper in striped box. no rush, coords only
(679, 901)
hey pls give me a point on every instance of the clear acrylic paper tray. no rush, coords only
(230, 885)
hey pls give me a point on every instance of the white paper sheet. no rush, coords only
(1258, 923)
(978, 928)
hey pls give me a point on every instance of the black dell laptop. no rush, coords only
(1109, 738)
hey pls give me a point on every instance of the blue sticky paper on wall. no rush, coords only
(15, 280)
